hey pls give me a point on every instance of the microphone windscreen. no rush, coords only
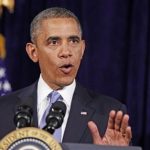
(23, 116)
(59, 106)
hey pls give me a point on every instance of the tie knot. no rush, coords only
(54, 96)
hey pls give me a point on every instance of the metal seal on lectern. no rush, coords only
(29, 138)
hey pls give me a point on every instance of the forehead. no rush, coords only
(60, 26)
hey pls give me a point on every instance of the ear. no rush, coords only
(32, 51)
(82, 48)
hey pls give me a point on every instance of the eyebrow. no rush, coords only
(58, 38)
(74, 37)
(53, 38)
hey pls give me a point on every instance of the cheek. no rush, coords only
(47, 57)
(80, 52)
(77, 60)
(46, 63)
(79, 55)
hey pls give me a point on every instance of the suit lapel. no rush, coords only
(29, 97)
(80, 114)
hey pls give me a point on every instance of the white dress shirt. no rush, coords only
(42, 92)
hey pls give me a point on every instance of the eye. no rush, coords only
(74, 40)
(53, 41)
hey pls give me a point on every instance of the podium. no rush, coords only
(37, 139)
(75, 146)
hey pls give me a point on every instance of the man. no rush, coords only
(58, 47)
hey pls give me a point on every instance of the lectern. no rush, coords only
(31, 138)
(73, 146)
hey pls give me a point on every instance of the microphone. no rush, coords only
(55, 116)
(23, 116)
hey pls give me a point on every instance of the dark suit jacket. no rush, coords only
(96, 106)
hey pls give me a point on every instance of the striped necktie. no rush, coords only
(52, 98)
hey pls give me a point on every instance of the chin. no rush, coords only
(66, 82)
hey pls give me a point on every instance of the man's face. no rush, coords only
(58, 49)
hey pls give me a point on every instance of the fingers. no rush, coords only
(118, 131)
(95, 133)
(111, 119)
(119, 122)
(128, 134)
(124, 123)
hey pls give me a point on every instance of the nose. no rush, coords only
(65, 51)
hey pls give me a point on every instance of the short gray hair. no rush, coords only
(54, 12)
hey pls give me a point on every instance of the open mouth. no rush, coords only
(66, 68)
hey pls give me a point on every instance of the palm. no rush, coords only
(118, 131)
(113, 137)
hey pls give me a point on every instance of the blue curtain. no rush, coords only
(117, 57)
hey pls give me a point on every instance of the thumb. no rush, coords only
(95, 133)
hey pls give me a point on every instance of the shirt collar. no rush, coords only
(67, 92)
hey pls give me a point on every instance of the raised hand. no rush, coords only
(118, 131)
